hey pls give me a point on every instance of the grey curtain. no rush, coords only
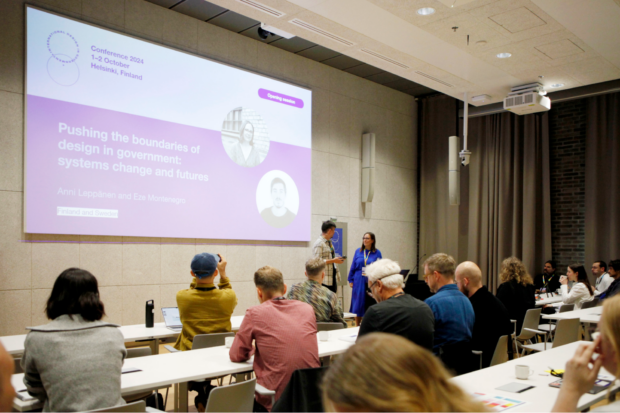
(508, 186)
(438, 117)
(603, 178)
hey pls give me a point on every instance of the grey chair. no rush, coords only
(130, 398)
(238, 397)
(206, 341)
(528, 329)
(590, 304)
(137, 407)
(549, 328)
(329, 326)
(18, 366)
(567, 331)
(500, 355)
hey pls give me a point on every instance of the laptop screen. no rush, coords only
(171, 316)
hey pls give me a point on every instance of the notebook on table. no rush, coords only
(172, 319)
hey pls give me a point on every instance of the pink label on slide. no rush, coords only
(280, 98)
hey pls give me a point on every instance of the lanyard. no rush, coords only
(366, 257)
(397, 295)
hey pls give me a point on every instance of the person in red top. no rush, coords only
(284, 332)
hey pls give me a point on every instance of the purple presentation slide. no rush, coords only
(119, 141)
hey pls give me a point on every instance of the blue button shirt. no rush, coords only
(454, 316)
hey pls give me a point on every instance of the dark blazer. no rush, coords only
(492, 322)
(517, 298)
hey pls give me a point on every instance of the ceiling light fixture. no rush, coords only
(503, 55)
(426, 11)
(557, 85)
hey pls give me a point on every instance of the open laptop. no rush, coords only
(172, 319)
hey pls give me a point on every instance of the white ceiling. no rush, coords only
(575, 42)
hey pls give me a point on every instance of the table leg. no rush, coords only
(154, 346)
(182, 396)
(176, 398)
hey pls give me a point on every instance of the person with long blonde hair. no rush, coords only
(388, 373)
(516, 290)
(579, 377)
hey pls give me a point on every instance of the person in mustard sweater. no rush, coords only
(205, 308)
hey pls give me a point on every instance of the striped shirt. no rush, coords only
(325, 303)
(323, 248)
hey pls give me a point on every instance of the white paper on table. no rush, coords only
(349, 339)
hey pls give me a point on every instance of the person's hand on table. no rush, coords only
(578, 376)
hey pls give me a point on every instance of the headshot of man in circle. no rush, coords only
(278, 215)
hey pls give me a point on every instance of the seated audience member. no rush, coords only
(7, 392)
(325, 303)
(284, 332)
(387, 373)
(516, 290)
(454, 315)
(614, 287)
(579, 377)
(396, 312)
(581, 291)
(549, 280)
(205, 309)
(492, 319)
(73, 363)
(603, 279)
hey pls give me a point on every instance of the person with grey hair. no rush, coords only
(396, 312)
(325, 303)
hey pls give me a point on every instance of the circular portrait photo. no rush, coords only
(245, 137)
(277, 199)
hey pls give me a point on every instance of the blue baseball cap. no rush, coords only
(205, 264)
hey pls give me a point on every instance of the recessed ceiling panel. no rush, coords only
(384, 77)
(559, 49)
(342, 62)
(199, 9)
(364, 70)
(233, 21)
(518, 20)
(318, 53)
(294, 45)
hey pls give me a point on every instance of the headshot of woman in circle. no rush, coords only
(244, 153)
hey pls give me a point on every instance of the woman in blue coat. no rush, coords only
(364, 256)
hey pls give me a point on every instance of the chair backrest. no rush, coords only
(139, 406)
(138, 352)
(532, 317)
(18, 366)
(566, 331)
(329, 326)
(500, 355)
(210, 340)
(590, 304)
(566, 307)
(238, 397)
(303, 392)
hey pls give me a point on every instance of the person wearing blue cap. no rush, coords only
(205, 308)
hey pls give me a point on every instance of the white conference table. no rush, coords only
(14, 345)
(180, 367)
(588, 315)
(542, 397)
(544, 300)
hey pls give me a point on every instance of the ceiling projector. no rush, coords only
(526, 99)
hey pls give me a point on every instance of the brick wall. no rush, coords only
(568, 173)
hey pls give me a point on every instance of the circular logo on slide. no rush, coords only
(65, 50)
(277, 199)
(245, 137)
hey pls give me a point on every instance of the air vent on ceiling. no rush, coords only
(265, 9)
(385, 58)
(322, 32)
(433, 78)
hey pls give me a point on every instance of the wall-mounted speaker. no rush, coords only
(454, 177)
(368, 167)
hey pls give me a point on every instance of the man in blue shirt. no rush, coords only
(454, 314)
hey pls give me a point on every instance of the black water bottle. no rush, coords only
(150, 312)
